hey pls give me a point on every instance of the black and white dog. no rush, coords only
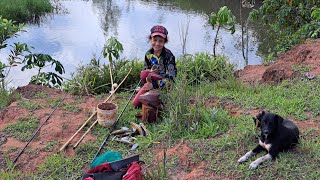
(277, 134)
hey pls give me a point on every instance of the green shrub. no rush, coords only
(7, 97)
(95, 78)
(203, 66)
(24, 10)
(290, 21)
(184, 110)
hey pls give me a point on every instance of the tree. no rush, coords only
(21, 54)
(224, 18)
(291, 21)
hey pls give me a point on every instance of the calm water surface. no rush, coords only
(72, 37)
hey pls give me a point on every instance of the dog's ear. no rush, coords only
(278, 119)
(256, 122)
(262, 113)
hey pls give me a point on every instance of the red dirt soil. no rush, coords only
(180, 172)
(59, 128)
(305, 54)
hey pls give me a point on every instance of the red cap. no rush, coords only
(159, 31)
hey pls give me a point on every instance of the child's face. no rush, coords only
(157, 43)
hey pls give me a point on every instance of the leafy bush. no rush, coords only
(203, 66)
(24, 10)
(94, 78)
(224, 18)
(185, 111)
(21, 54)
(291, 21)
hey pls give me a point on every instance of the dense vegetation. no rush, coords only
(21, 54)
(24, 10)
(291, 21)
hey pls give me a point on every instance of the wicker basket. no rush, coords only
(107, 113)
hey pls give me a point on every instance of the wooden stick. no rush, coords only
(82, 137)
(74, 135)
(93, 114)
(111, 78)
(88, 130)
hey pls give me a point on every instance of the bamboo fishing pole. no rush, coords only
(36, 132)
(93, 114)
(114, 125)
(88, 130)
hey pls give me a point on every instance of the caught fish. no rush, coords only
(121, 131)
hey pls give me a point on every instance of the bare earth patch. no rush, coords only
(307, 54)
(59, 128)
(185, 168)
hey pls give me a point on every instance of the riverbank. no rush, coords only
(208, 148)
(24, 10)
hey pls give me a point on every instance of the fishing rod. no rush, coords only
(36, 132)
(93, 114)
(114, 125)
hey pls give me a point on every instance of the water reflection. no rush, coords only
(110, 14)
(72, 38)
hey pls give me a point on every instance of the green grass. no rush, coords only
(300, 163)
(71, 107)
(94, 78)
(24, 10)
(50, 146)
(302, 68)
(23, 129)
(40, 95)
(59, 167)
(7, 97)
(54, 102)
(289, 99)
(212, 134)
(30, 105)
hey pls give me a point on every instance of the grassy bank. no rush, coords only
(24, 10)
(214, 136)
(6, 97)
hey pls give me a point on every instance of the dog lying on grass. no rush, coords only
(277, 134)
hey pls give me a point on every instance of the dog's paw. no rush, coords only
(253, 165)
(242, 159)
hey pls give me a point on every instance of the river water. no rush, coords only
(81, 28)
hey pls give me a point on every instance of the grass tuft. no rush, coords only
(23, 129)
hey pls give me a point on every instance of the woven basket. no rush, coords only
(107, 113)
